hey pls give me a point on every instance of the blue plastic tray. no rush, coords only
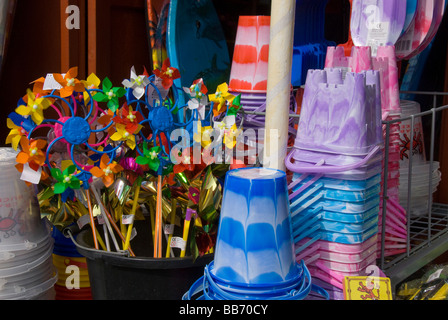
(338, 216)
(315, 234)
(340, 184)
(299, 225)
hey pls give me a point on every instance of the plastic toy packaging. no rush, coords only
(432, 286)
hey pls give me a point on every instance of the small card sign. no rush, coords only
(127, 219)
(82, 221)
(50, 83)
(367, 288)
(29, 175)
(168, 229)
(177, 242)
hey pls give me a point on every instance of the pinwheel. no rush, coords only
(72, 131)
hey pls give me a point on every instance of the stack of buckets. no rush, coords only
(337, 165)
(249, 74)
(385, 63)
(73, 280)
(254, 257)
(421, 175)
(26, 266)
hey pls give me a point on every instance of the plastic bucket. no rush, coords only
(339, 247)
(417, 146)
(10, 259)
(337, 216)
(337, 256)
(255, 226)
(61, 263)
(33, 293)
(344, 194)
(115, 276)
(251, 54)
(335, 293)
(27, 267)
(326, 224)
(343, 238)
(20, 221)
(341, 184)
(331, 158)
(345, 266)
(63, 246)
(256, 102)
(339, 118)
(29, 279)
(62, 293)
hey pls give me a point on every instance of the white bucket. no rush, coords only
(419, 187)
(18, 281)
(12, 258)
(27, 267)
(34, 293)
(20, 221)
(417, 146)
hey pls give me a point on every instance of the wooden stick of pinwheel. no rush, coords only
(158, 227)
(172, 221)
(92, 220)
(134, 210)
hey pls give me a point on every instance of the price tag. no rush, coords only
(84, 220)
(177, 242)
(29, 175)
(168, 229)
(133, 233)
(434, 275)
(153, 93)
(378, 36)
(50, 83)
(101, 219)
(403, 47)
(345, 70)
(128, 219)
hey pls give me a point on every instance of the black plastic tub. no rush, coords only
(116, 276)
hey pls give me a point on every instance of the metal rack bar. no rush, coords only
(428, 234)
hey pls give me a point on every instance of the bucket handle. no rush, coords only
(329, 169)
(74, 229)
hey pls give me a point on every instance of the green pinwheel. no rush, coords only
(235, 107)
(65, 179)
(150, 158)
(110, 95)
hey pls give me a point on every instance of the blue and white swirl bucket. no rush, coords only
(254, 256)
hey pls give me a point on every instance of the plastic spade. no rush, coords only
(439, 10)
(418, 29)
(411, 9)
(377, 22)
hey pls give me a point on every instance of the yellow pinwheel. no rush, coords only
(230, 136)
(220, 99)
(15, 135)
(123, 135)
(228, 131)
(203, 135)
(92, 82)
(35, 107)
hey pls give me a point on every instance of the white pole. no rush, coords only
(279, 83)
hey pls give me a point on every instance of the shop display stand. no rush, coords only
(427, 234)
